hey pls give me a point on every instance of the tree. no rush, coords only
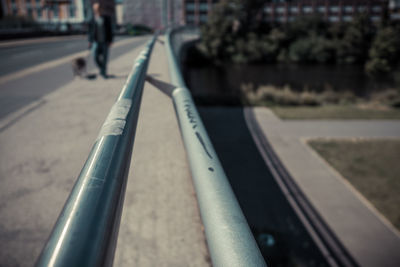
(353, 47)
(232, 25)
(384, 54)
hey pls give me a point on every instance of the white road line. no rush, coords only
(51, 64)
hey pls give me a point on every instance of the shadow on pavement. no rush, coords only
(281, 236)
(164, 87)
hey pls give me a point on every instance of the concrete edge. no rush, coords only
(320, 232)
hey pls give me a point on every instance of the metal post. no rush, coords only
(85, 233)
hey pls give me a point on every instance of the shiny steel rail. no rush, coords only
(228, 235)
(86, 231)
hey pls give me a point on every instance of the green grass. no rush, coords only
(371, 166)
(335, 112)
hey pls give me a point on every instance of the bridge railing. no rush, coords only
(228, 235)
(85, 233)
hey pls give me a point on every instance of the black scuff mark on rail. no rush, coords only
(203, 144)
(189, 114)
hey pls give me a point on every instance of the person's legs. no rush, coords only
(97, 55)
(104, 51)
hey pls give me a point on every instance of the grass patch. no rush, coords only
(336, 112)
(371, 166)
(328, 104)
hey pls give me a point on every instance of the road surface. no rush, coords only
(22, 56)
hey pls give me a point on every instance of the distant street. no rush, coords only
(26, 55)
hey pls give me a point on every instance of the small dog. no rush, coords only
(79, 67)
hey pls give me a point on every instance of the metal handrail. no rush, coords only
(228, 235)
(86, 231)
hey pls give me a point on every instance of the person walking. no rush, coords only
(101, 32)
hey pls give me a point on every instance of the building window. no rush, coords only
(333, 18)
(334, 9)
(321, 9)
(347, 18)
(268, 10)
(307, 9)
(203, 18)
(13, 5)
(29, 12)
(72, 11)
(348, 9)
(376, 9)
(375, 18)
(280, 19)
(190, 18)
(280, 10)
(361, 9)
(190, 7)
(294, 9)
(395, 16)
(203, 6)
(39, 12)
(55, 11)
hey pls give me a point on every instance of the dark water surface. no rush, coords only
(225, 79)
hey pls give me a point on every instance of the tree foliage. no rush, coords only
(384, 54)
(237, 32)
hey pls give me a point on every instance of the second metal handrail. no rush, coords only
(228, 235)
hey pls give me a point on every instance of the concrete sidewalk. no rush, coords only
(161, 223)
(367, 236)
(44, 146)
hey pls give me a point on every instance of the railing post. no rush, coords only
(85, 233)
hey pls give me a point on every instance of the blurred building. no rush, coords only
(54, 11)
(144, 12)
(153, 13)
(71, 11)
(394, 7)
(119, 11)
(197, 11)
(331, 10)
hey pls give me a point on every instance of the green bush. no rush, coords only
(279, 96)
(385, 51)
(138, 29)
(353, 47)
(236, 33)
(311, 49)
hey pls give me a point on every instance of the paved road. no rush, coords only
(19, 57)
(22, 54)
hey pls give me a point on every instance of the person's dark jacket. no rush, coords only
(100, 30)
